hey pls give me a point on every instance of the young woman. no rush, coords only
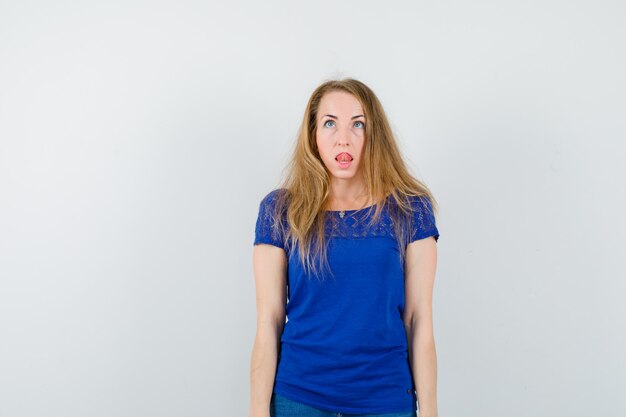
(350, 239)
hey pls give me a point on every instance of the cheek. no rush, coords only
(321, 146)
(362, 147)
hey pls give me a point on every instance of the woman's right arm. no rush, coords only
(270, 276)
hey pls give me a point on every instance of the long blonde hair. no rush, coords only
(306, 184)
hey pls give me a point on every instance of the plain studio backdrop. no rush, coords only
(138, 138)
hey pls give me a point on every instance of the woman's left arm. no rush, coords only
(419, 279)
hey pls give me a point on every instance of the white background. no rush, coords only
(138, 138)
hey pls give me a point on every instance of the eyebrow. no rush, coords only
(353, 117)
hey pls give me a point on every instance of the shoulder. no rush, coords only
(270, 199)
(424, 223)
(421, 203)
(271, 220)
(416, 203)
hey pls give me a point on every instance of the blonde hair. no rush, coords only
(305, 187)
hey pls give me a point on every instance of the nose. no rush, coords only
(343, 136)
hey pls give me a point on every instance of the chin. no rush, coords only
(343, 174)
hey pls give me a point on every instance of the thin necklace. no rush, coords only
(342, 213)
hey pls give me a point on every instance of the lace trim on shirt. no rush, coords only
(355, 224)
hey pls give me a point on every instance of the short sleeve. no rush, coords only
(424, 224)
(268, 229)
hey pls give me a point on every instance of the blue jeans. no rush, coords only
(281, 406)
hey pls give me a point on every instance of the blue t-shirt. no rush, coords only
(344, 345)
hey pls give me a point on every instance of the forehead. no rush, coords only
(340, 103)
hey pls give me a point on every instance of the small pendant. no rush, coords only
(342, 213)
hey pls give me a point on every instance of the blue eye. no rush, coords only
(355, 123)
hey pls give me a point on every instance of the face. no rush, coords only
(340, 133)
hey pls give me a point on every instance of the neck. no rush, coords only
(347, 195)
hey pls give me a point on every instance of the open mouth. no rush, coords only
(344, 157)
(344, 160)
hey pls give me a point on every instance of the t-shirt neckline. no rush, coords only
(355, 210)
(350, 211)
